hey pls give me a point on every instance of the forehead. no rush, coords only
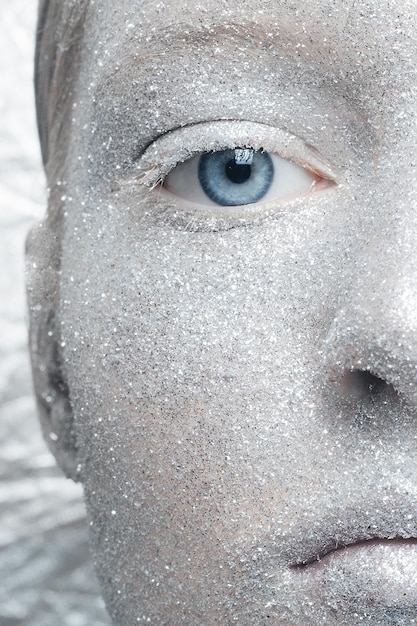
(353, 30)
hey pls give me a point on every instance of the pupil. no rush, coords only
(237, 173)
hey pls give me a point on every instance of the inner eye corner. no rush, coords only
(315, 170)
(326, 182)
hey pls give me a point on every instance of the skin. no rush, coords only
(215, 396)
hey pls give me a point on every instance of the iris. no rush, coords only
(235, 177)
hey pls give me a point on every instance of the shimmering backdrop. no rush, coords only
(46, 579)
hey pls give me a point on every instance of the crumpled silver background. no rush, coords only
(45, 576)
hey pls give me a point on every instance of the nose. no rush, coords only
(375, 330)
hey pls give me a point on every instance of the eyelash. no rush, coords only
(179, 146)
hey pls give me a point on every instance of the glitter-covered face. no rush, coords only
(238, 310)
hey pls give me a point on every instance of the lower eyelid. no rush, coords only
(158, 208)
(184, 215)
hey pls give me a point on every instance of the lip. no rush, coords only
(346, 564)
(369, 577)
(394, 520)
(358, 562)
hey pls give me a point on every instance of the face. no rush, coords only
(242, 368)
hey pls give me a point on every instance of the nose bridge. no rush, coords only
(375, 328)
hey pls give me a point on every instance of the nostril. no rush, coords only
(362, 384)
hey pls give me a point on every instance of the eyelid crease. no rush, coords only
(179, 145)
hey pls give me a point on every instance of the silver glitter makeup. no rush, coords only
(237, 386)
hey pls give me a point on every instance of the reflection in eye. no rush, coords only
(238, 177)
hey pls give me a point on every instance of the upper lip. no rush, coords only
(317, 535)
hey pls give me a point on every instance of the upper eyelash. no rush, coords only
(167, 151)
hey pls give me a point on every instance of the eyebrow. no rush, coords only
(334, 57)
(179, 38)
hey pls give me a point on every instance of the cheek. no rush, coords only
(193, 360)
(194, 357)
(202, 411)
(198, 314)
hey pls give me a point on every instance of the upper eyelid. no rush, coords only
(176, 146)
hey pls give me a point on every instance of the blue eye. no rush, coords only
(235, 177)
